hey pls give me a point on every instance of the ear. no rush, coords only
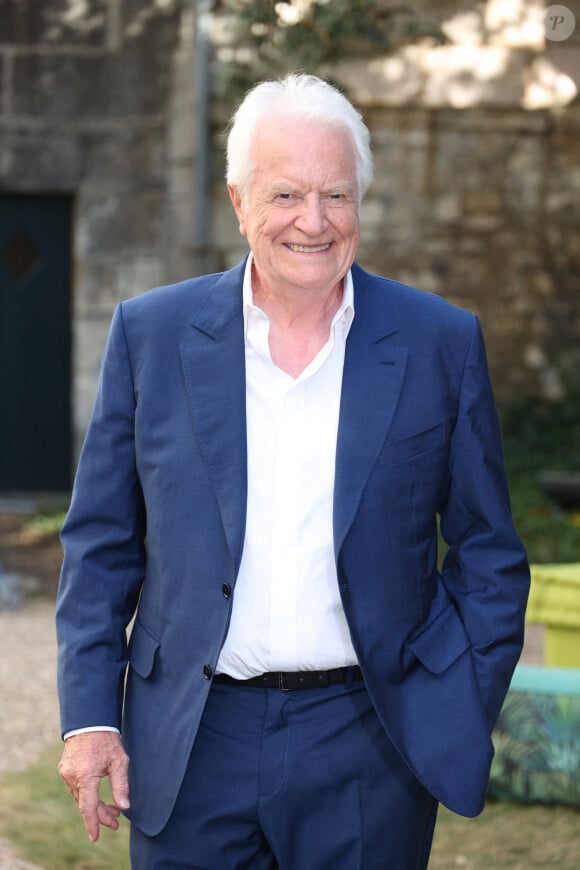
(237, 203)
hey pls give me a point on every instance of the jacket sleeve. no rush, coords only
(485, 570)
(103, 539)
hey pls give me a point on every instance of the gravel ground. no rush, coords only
(29, 713)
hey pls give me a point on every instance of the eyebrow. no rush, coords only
(341, 186)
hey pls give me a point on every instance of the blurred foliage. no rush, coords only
(541, 437)
(46, 521)
(549, 533)
(272, 39)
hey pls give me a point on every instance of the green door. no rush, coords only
(35, 344)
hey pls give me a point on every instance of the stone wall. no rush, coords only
(481, 206)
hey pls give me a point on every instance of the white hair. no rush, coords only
(300, 97)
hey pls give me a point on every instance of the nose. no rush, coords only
(311, 218)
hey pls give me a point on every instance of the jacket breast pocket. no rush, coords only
(143, 648)
(416, 445)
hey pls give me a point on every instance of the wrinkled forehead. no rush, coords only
(311, 151)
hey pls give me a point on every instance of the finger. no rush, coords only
(119, 782)
(88, 801)
(108, 815)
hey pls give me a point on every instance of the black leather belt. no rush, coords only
(289, 680)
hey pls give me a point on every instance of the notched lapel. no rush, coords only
(214, 372)
(374, 369)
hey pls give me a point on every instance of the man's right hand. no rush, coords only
(87, 758)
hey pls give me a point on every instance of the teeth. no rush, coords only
(301, 249)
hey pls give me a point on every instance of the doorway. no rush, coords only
(35, 343)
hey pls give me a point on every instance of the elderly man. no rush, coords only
(260, 484)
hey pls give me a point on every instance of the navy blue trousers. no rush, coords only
(300, 780)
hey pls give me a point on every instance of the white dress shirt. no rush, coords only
(287, 614)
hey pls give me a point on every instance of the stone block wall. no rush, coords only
(482, 206)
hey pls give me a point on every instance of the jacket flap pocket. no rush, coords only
(142, 649)
(441, 642)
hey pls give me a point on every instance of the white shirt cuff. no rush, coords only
(90, 728)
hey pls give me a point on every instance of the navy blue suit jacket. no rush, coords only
(157, 518)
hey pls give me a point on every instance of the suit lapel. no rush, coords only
(214, 370)
(374, 368)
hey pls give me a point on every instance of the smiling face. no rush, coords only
(300, 209)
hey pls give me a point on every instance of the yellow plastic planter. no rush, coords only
(555, 603)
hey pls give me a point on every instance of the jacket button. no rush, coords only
(207, 672)
(227, 590)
